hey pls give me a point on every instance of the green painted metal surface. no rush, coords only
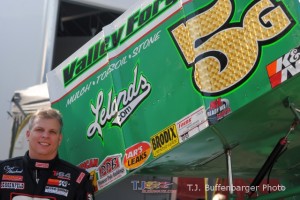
(171, 84)
(252, 132)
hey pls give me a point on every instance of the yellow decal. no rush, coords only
(164, 140)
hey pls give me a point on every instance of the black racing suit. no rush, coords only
(28, 179)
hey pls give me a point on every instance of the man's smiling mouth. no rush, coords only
(44, 143)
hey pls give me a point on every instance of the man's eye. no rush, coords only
(53, 132)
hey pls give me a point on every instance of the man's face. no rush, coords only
(44, 139)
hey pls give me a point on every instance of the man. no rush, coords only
(40, 174)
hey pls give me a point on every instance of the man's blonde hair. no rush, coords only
(46, 113)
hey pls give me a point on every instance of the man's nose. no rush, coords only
(45, 134)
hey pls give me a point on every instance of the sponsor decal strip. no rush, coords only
(192, 124)
(80, 177)
(42, 165)
(6, 177)
(284, 67)
(57, 190)
(164, 140)
(12, 185)
(110, 170)
(136, 155)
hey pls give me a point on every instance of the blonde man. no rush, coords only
(40, 174)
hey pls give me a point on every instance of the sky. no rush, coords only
(21, 53)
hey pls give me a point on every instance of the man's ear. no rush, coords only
(27, 134)
(60, 138)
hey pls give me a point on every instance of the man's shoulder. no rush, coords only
(72, 167)
(11, 160)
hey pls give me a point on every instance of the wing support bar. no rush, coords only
(296, 111)
(278, 149)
